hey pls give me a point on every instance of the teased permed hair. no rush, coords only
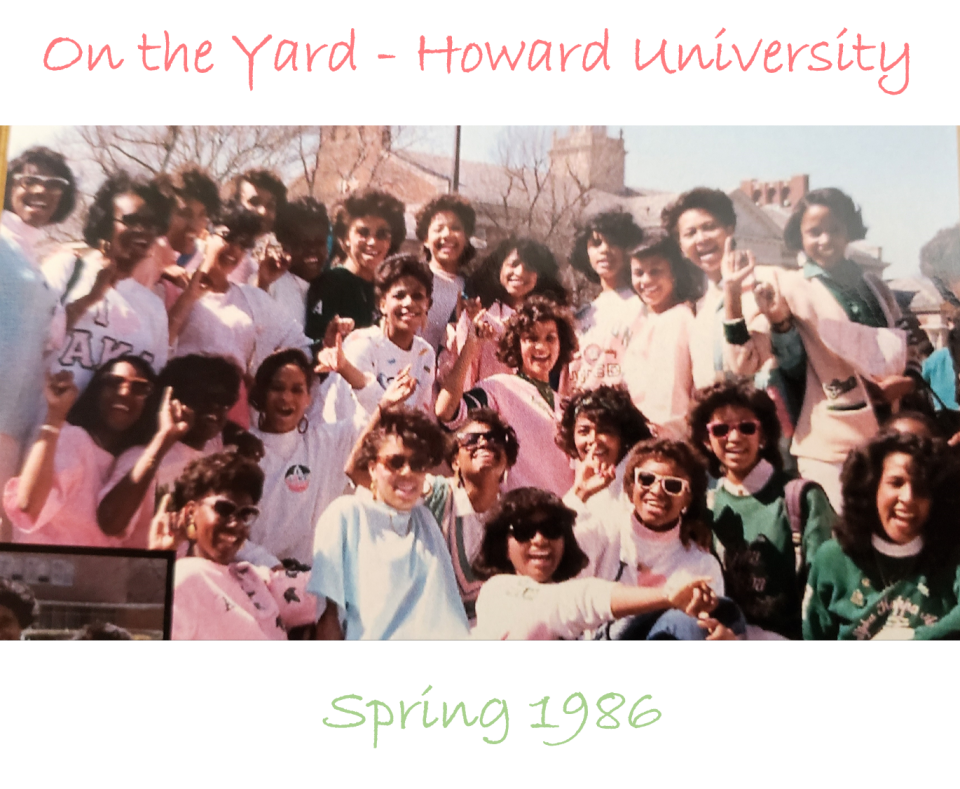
(457, 205)
(491, 418)
(418, 433)
(611, 409)
(715, 202)
(528, 505)
(42, 157)
(534, 310)
(484, 281)
(257, 396)
(369, 202)
(99, 224)
(617, 227)
(689, 282)
(222, 472)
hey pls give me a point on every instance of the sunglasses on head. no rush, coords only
(397, 463)
(747, 427)
(525, 532)
(50, 183)
(227, 510)
(674, 486)
(471, 439)
(138, 387)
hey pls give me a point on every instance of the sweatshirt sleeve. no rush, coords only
(818, 623)
(819, 522)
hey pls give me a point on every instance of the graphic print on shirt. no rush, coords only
(297, 478)
(78, 349)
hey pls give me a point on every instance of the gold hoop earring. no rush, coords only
(303, 425)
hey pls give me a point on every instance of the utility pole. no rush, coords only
(456, 161)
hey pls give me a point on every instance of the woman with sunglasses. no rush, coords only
(210, 513)
(54, 500)
(203, 389)
(109, 313)
(530, 558)
(539, 340)
(766, 528)
(380, 560)
(666, 541)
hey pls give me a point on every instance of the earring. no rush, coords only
(104, 247)
(302, 425)
(191, 530)
(373, 488)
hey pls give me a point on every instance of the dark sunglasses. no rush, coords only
(50, 183)
(524, 532)
(674, 486)
(397, 463)
(138, 387)
(227, 511)
(472, 439)
(146, 222)
(747, 427)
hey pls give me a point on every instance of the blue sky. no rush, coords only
(904, 177)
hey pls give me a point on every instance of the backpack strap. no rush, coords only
(73, 279)
(795, 492)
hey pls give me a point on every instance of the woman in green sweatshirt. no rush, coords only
(892, 571)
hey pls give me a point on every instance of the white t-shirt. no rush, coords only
(516, 606)
(243, 324)
(290, 292)
(604, 328)
(130, 319)
(374, 355)
(446, 289)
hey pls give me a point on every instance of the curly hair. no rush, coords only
(300, 222)
(194, 183)
(19, 598)
(839, 203)
(396, 267)
(534, 310)
(43, 158)
(369, 202)
(456, 205)
(199, 380)
(689, 282)
(619, 229)
(484, 281)
(222, 472)
(610, 409)
(262, 179)
(99, 224)
(694, 526)
(935, 475)
(257, 396)
(735, 393)
(418, 433)
(85, 412)
(102, 631)
(242, 224)
(528, 505)
(715, 202)
(492, 419)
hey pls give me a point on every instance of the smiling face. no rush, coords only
(222, 522)
(702, 239)
(123, 393)
(308, 257)
(653, 505)
(517, 280)
(653, 281)
(287, 399)
(903, 510)
(824, 236)
(397, 475)
(367, 244)
(134, 231)
(600, 442)
(537, 558)
(737, 451)
(607, 261)
(446, 240)
(261, 201)
(540, 350)
(481, 452)
(34, 199)
(188, 221)
(404, 308)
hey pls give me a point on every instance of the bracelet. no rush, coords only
(52, 429)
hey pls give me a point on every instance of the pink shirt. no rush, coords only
(69, 515)
(486, 364)
(238, 602)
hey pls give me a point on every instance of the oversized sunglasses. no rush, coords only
(397, 463)
(525, 532)
(138, 387)
(472, 439)
(227, 511)
(146, 222)
(674, 486)
(747, 427)
(50, 183)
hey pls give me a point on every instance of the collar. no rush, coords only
(753, 483)
(812, 269)
(895, 551)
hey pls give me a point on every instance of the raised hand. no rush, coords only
(771, 303)
(61, 393)
(166, 531)
(591, 477)
(400, 389)
(175, 418)
(331, 360)
(271, 259)
(736, 265)
(338, 327)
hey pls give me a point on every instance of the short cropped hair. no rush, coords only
(714, 201)
(694, 526)
(526, 505)
(492, 419)
(99, 224)
(619, 229)
(398, 266)
(418, 433)
(839, 203)
(222, 472)
(744, 395)
(42, 157)
(534, 310)
(610, 408)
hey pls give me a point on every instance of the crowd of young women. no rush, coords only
(353, 435)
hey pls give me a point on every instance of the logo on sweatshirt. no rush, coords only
(297, 478)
